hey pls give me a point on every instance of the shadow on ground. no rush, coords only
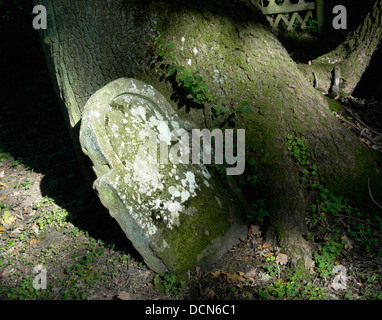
(33, 131)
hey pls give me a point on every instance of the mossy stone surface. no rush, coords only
(176, 216)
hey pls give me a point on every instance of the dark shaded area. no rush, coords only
(306, 47)
(33, 130)
(371, 79)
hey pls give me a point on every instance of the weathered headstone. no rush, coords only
(175, 215)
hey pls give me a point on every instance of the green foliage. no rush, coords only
(169, 282)
(297, 150)
(82, 266)
(25, 291)
(325, 257)
(14, 164)
(328, 212)
(257, 211)
(271, 269)
(312, 27)
(281, 289)
(50, 215)
(26, 184)
(192, 81)
(193, 84)
(4, 155)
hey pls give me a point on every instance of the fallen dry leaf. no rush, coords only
(234, 277)
(3, 185)
(254, 231)
(282, 259)
(265, 246)
(3, 198)
(7, 218)
(123, 295)
(15, 232)
(198, 273)
(216, 273)
(208, 292)
(1, 229)
(348, 244)
(34, 241)
(250, 274)
(27, 210)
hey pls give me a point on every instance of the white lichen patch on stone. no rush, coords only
(125, 126)
(189, 181)
(217, 77)
(174, 208)
(164, 132)
(163, 188)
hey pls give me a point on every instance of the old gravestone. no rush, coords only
(175, 215)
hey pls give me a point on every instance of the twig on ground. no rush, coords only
(371, 196)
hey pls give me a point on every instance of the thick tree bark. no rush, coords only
(89, 44)
(352, 57)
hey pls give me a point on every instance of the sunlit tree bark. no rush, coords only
(91, 43)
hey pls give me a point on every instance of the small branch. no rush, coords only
(315, 80)
(371, 196)
(352, 218)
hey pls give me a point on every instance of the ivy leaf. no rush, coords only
(187, 73)
(239, 110)
(170, 45)
(202, 86)
(200, 96)
(187, 82)
(198, 79)
(170, 67)
(209, 96)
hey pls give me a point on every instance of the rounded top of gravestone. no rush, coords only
(168, 207)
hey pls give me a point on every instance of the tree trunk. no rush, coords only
(352, 57)
(89, 44)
